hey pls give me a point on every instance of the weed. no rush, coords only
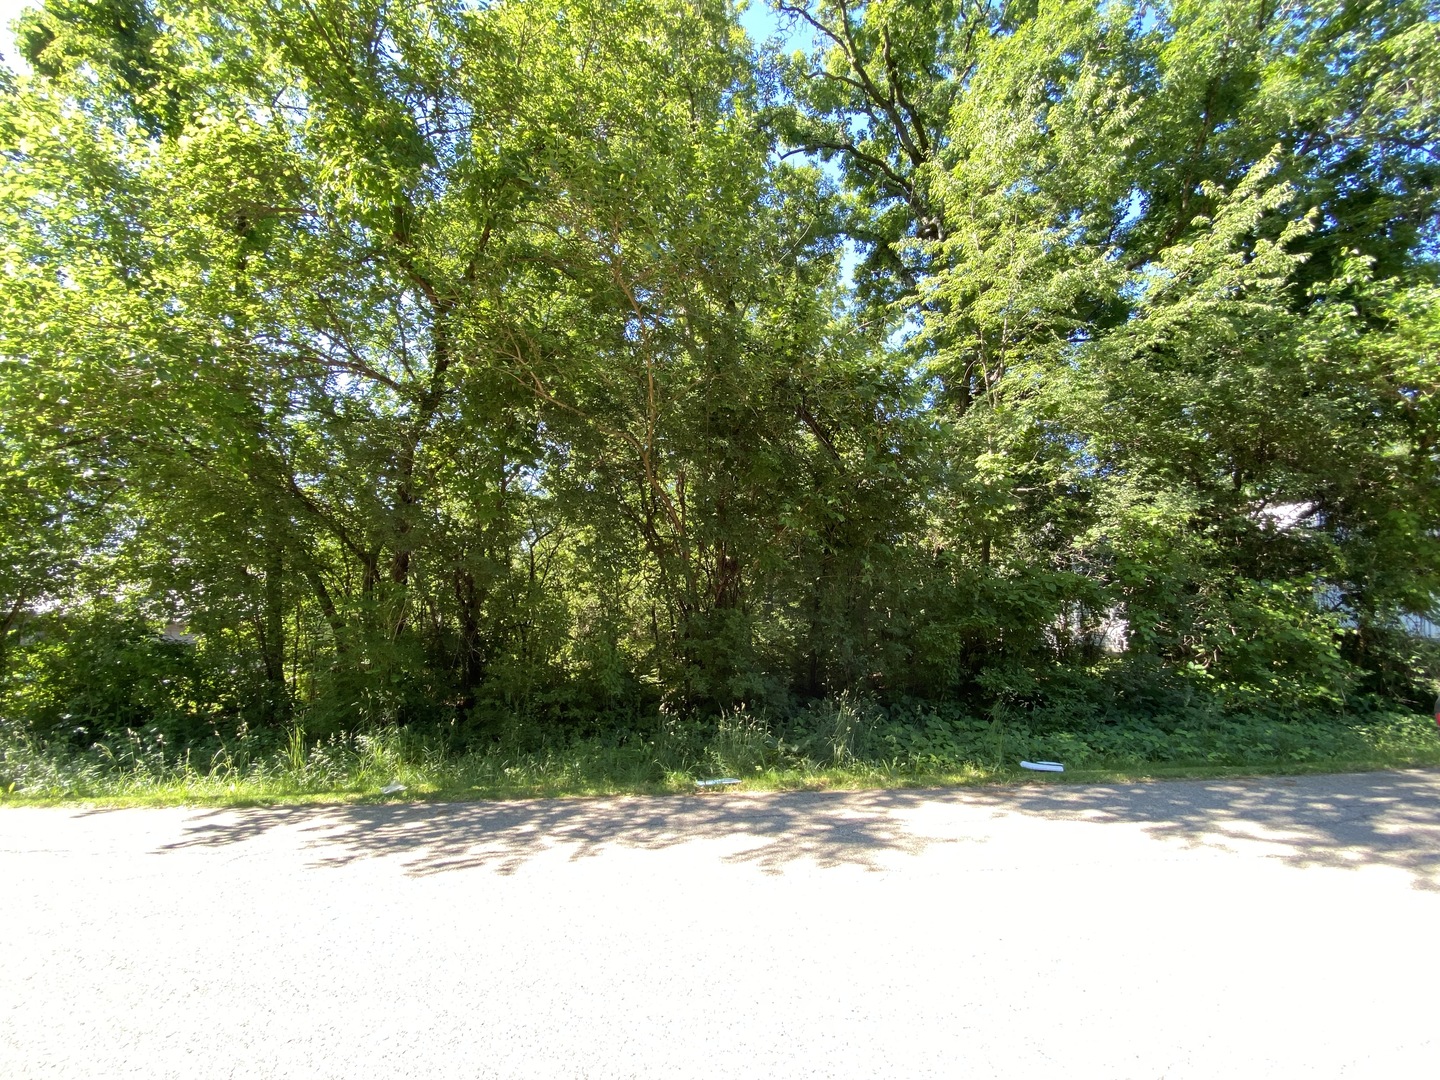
(844, 743)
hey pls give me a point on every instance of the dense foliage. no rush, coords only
(559, 366)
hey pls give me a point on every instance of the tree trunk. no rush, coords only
(272, 635)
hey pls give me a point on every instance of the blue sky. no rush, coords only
(9, 12)
(760, 22)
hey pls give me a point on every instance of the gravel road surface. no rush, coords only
(1275, 928)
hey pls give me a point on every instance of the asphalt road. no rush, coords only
(1270, 928)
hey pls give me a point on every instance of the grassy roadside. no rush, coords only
(359, 768)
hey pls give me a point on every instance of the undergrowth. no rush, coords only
(837, 743)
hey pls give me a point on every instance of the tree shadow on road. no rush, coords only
(1387, 819)
(828, 828)
(1354, 820)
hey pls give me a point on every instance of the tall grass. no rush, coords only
(843, 742)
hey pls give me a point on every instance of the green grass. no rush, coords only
(844, 748)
